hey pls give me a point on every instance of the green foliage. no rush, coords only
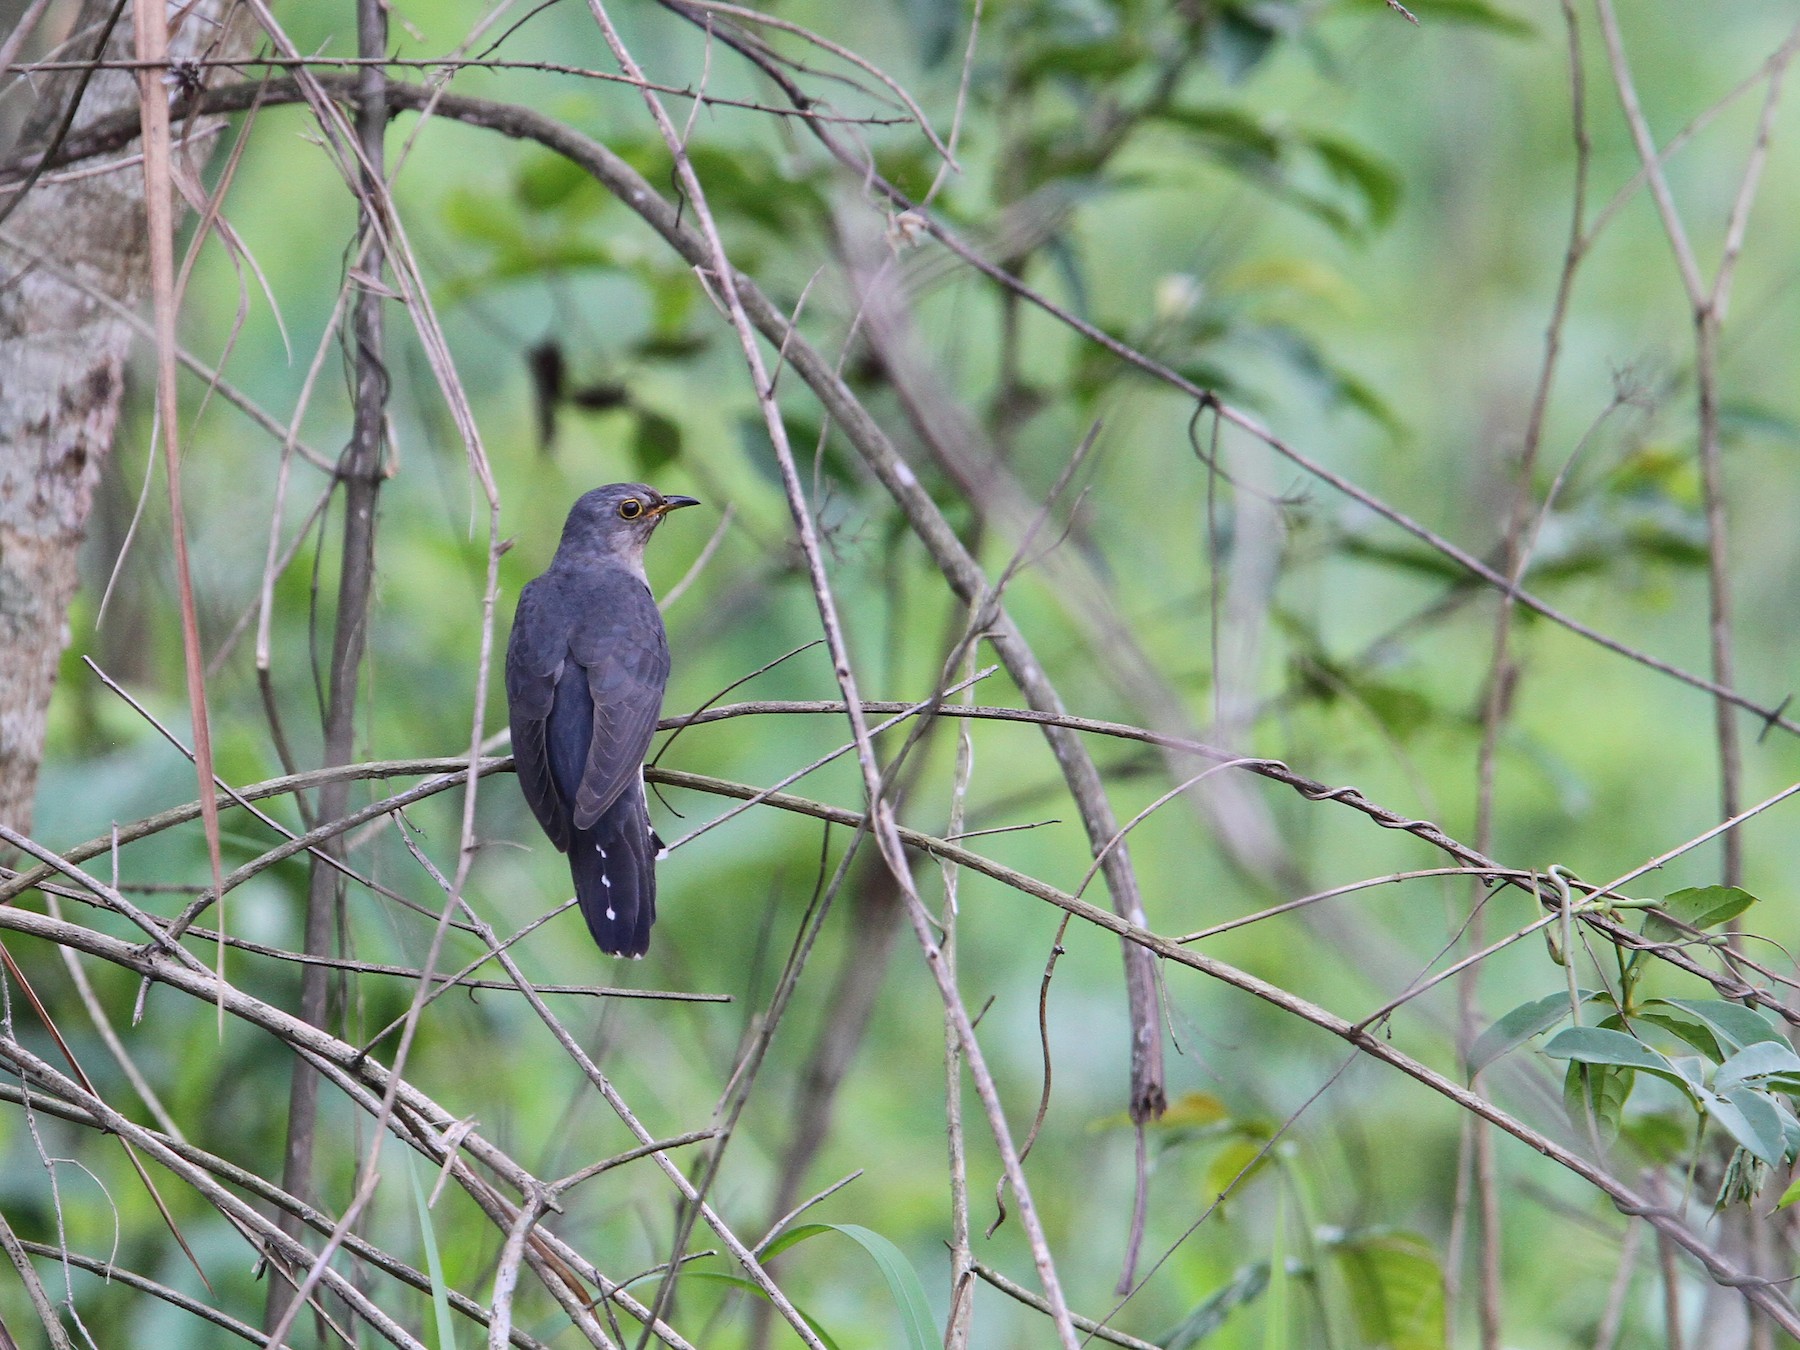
(1397, 1289)
(1243, 1289)
(434, 1261)
(1285, 161)
(1744, 1068)
(1349, 227)
(1699, 907)
(1714, 1027)
(1518, 1026)
(1478, 13)
(897, 1272)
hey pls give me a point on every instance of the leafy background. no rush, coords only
(1348, 225)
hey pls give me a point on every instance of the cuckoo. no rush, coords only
(585, 670)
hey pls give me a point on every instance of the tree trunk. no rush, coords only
(62, 363)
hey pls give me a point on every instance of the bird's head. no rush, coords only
(618, 519)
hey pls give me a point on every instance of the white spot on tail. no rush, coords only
(606, 882)
(602, 851)
(611, 915)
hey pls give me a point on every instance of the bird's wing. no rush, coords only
(621, 646)
(536, 657)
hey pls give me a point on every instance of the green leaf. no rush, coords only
(1790, 1129)
(655, 442)
(803, 436)
(1331, 382)
(1236, 43)
(1762, 1060)
(751, 1287)
(1478, 13)
(1749, 1118)
(1517, 1027)
(477, 217)
(1193, 1110)
(902, 1280)
(434, 1261)
(1275, 1313)
(1402, 557)
(1619, 1049)
(1791, 1194)
(1244, 1288)
(1699, 907)
(1240, 136)
(1085, 59)
(758, 187)
(934, 25)
(546, 181)
(1396, 1288)
(1234, 1164)
(1373, 180)
(1732, 1025)
(1660, 1137)
(670, 346)
(1600, 1089)
(1692, 1068)
(1695, 1032)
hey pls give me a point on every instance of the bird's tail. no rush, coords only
(614, 866)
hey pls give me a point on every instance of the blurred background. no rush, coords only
(1352, 227)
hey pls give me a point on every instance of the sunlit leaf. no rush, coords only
(1234, 1164)
(1194, 1108)
(1701, 907)
(1396, 1287)
(902, 1280)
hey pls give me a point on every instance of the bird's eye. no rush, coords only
(630, 509)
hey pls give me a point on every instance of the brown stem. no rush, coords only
(360, 470)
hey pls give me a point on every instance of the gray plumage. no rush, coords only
(585, 671)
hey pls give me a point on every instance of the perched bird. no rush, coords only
(585, 670)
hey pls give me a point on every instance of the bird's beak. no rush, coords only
(673, 504)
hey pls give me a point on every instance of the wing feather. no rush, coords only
(536, 656)
(624, 652)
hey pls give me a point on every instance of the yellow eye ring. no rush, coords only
(630, 509)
